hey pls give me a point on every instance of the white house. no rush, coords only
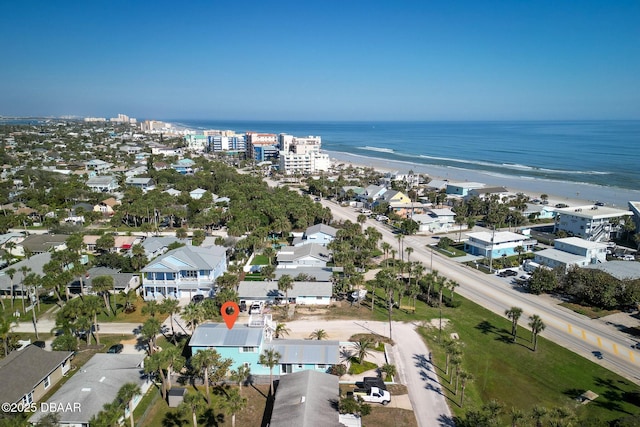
(435, 220)
(462, 188)
(192, 269)
(304, 293)
(197, 193)
(104, 183)
(320, 234)
(496, 244)
(572, 251)
(310, 255)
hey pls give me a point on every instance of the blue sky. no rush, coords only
(322, 60)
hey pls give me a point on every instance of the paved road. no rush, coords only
(412, 362)
(571, 330)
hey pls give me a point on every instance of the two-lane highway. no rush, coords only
(564, 327)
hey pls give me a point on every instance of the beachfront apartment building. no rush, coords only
(572, 251)
(591, 222)
(289, 143)
(196, 143)
(498, 243)
(234, 143)
(191, 269)
(268, 142)
(306, 164)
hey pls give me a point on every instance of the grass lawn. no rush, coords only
(260, 260)
(591, 312)
(513, 374)
(121, 316)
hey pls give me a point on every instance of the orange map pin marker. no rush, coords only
(230, 312)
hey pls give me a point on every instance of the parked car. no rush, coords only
(255, 309)
(197, 298)
(115, 349)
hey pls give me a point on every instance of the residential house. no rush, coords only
(34, 264)
(307, 399)
(121, 281)
(321, 234)
(14, 238)
(157, 245)
(407, 210)
(572, 251)
(197, 193)
(372, 193)
(97, 166)
(28, 374)
(185, 269)
(536, 211)
(184, 167)
(107, 206)
(121, 243)
(309, 255)
(95, 385)
(303, 293)
(591, 222)
(350, 191)
(103, 183)
(462, 188)
(485, 193)
(436, 221)
(145, 184)
(40, 243)
(244, 344)
(393, 196)
(497, 244)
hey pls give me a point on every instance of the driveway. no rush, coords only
(412, 363)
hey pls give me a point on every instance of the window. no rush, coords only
(248, 350)
(190, 273)
(47, 382)
(28, 398)
(322, 366)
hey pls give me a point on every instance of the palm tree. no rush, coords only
(24, 270)
(193, 314)
(11, 272)
(148, 332)
(285, 283)
(102, 285)
(240, 375)
(537, 325)
(516, 416)
(235, 404)
(201, 362)
(409, 251)
(363, 348)
(126, 394)
(389, 371)
(465, 377)
(6, 324)
(193, 403)
(151, 308)
(319, 334)
(270, 358)
(519, 249)
(538, 413)
(93, 305)
(281, 330)
(171, 307)
(386, 247)
(172, 360)
(514, 314)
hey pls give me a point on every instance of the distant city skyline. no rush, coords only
(331, 60)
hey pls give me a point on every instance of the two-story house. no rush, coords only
(595, 223)
(572, 251)
(192, 269)
(320, 234)
(496, 244)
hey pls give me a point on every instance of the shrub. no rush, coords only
(338, 370)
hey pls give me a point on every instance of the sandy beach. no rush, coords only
(558, 191)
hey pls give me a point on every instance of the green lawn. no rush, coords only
(260, 260)
(512, 373)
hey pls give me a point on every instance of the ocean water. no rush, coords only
(605, 153)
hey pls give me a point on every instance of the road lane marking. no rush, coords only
(599, 342)
(584, 335)
(569, 326)
(631, 356)
(615, 349)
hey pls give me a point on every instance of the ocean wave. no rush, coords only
(378, 149)
(514, 166)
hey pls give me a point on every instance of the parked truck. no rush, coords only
(373, 395)
(368, 382)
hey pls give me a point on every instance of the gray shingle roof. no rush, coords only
(290, 253)
(322, 228)
(251, 289)
(218, 335)
(619, 269)
(306, 399)
(306, 351)
(35, 263)
(97, 383)
(185, 257)
(22, 370)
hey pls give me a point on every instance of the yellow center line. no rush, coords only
(584, 335)
(569, 326)
(615, 349)
(599, 342)
(631, 356)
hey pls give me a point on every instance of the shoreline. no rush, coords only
(558, 191)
